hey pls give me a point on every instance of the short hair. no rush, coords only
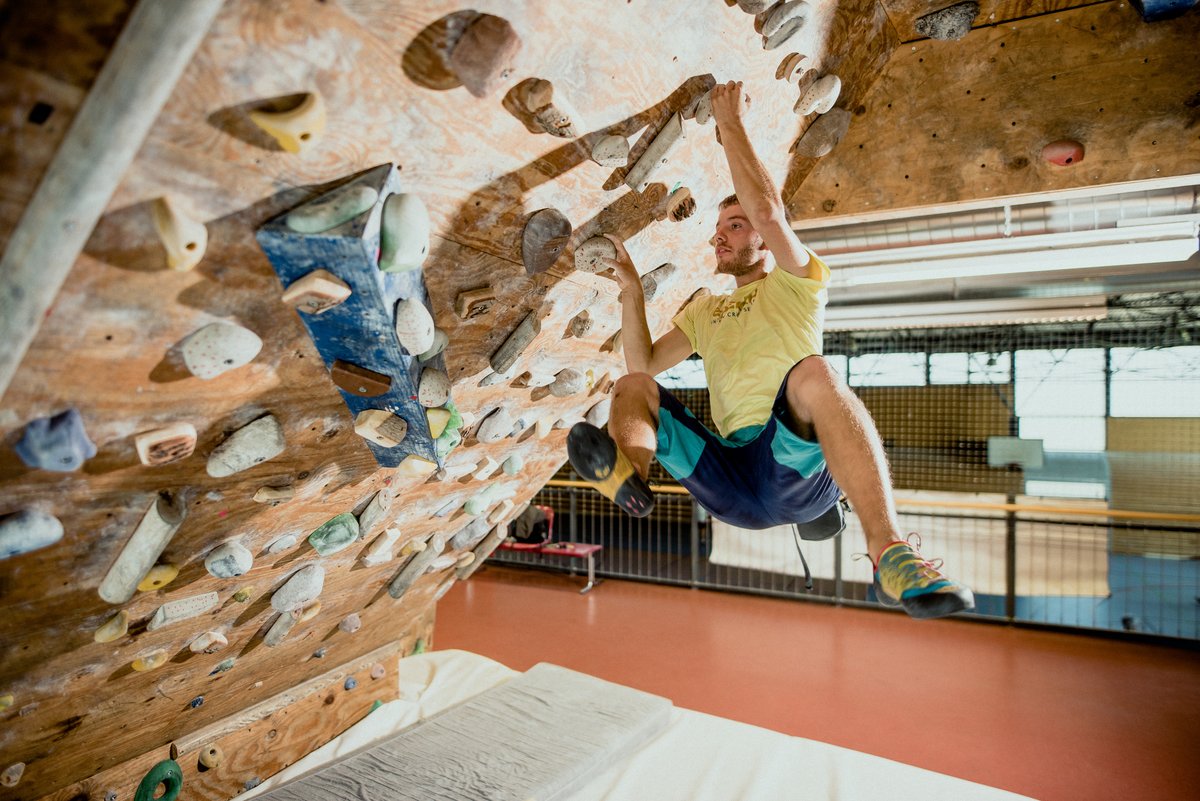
(732, 200)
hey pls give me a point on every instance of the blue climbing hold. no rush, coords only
(197, 701)
(56, 443)
(351, 683)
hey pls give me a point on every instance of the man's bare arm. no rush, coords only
(757, 194)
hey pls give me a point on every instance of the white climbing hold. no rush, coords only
(657, 154)
(655, 281)
(440, 340)
(11, 776)
(703, 113)
(414, 326)
(280, 629)
(542, 428)
(379, 510)
(274, 495)
(441, 563)
(218, 348)
(150, 660)
(184, 238)
(28, 530)
(513, 464)
(228, 560)
(302, 587)
(381, 550)
(385, 429)
(404, 233)
(611, 151)
(298, 129)
(182, 609)
(157, 526)
(336, 208)
(486, 468)
(598, 414)
(166, 445)
(250, 445)
(208, 643)
(567, 382)
(283, 543)
(495, 427)
(819, 97)
(589, 254)
(317, 292)
(434, 387)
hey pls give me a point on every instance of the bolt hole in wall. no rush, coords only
(1109, 413)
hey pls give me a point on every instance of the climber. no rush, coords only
(792, 436)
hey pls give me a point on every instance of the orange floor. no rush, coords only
(1053, 716)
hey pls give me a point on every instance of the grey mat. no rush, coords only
(539, 737)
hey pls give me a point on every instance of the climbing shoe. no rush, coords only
(904, 578)
(598, 461)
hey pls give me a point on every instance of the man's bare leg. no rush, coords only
(633, 419)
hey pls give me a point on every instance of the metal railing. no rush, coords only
(1048, 565)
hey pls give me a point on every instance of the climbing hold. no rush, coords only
(350, 623)
(474, 302)
(283, 543)
(166, 774)
(589, 254)
(754, 6)
(274, 495)
(541, 429)
(580, 325)
(57, 443)
(416, 566)
(783, 21)
(308, 611)
(223, 665)
(442, 562)
(483, 499)
(465, 559)
(378, 671)
(415, 466)
(414, 326)
(795, 67)
(1064, 152)
(495, 427)
(218, 348)
(166, 445)
(567, 382)
(545, 236)
(501, 512)
(250, 445)
(244, 594)
(28, 530)
(196, 702)
(150, 660)
(381, 427)
(507, 354)
(211, 756)
(333, 209)
(484, 55)
(358, 380)
(228, 560)
(536, 93)
(823, 135)
(185, 239)
(335, 534)
(611, 151)
(381, 550)
(598, 414)
(157, 577)
(703, 111)
(378, 510)
(655, 281)
(250, 784)
(114, 628)
(487, 468)
(437, 420)
(418, 647)
(679, 205)
(656, 154)
(297, 129)
(182, 609)
(556, 122)
(350, 683)
(440, 340)
(413, 546)
(952, 22)
(404, 233)
(469, 535)
(208, 643)
(320, 652)
(12, 774)
(301, 587)
(316, 293)
(280, 629)
(819, 97)
(513, 464)
(155, 530)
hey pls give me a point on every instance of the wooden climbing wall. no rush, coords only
(73, 708)
(954, 121)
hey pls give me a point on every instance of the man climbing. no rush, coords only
(773, 396)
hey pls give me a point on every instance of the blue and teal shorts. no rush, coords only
(760, 476)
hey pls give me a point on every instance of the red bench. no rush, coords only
(571, 550)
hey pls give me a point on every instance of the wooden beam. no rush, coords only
(148, 58)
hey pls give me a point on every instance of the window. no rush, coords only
(1156, 382)
(888, 370)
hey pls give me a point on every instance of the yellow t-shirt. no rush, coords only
(750, 338)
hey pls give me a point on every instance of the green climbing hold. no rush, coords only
(168, 774)
(338, 533)
(419, 648)
(375, 705)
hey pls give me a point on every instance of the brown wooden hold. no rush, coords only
(359, 380)
(483, 57)
(474, 302)
(679, 205)
(544, 239)
(317, 292)
(166, 445)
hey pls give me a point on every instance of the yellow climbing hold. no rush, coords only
(211, 756)
(310, 611)
(243, 594)
(114, 629)
(298, 129)
(158, 577)
(150, 660)
(6, 701)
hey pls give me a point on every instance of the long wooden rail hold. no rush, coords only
(1120, 514)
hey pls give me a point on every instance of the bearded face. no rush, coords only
(738, 247)
(740, 262)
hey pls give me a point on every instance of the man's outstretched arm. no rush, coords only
(642, 355)
(757, 194)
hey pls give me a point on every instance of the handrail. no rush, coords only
(1120, 514)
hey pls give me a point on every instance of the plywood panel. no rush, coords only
(967, 120)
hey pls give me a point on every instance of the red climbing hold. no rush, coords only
(1064, 152)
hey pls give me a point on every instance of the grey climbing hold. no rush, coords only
(223, 665)
(228, 560)
(824, 134)
(483, 57)
(28, 530)
(280, 629)
(950, 23)
(414, 326)
(250, 445)
(404, 234)
(208, 643)
(57, 443)
(589, 254)
(658, 279)
(182, 609)
(580, 325)
(302, 587)
(598, 414)
(335, 534)
(350, 683)
(336, 208)
(507, 354)
(495, 427)
(656, 154)
(377, 511)
(543, 240)
(440, 340)
(783, 22)
(754, 6)
(434, 387)
(155, 530)
(611, 151)
(416, 566)
(350, 623)
(469, 535)
(283, 543)
(218, 348)
(567, 382)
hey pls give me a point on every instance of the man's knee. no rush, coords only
(636, 386)
(810, 380)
